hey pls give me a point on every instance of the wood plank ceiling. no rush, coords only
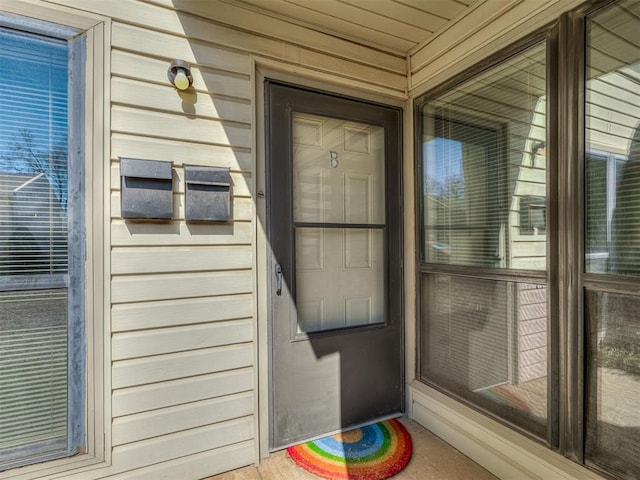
(394, 26)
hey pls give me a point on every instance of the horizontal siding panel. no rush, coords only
(532, 295)
(354, 22)
(413, 14)
(133, 428)
(533, 311)
(166, 98)
(134, 260)
(241, 209)
(616, 100)
(529, 342)
(345, 68)
(124, 233)
(533, 175)
(128, 373)
(536, 355)
(530, 188)
(152, 18)
(488, 26)
(531, 372)
(128, 401)
(165, 313)
(176, 445)
(207, 54)
(179, 339)
(609, 114)
(179, 152)
(205, 34)
(142, 288)
(382, 25)
(143, 41)
(347, 26)
(201, 465)
(240, 182)
(153, 70)
(274, 27)
(531, 238)
(528, 263)
(529, 249)
(468, 26)
(420, 12)
(529, 327)
(179, 127)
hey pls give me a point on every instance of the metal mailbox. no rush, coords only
(208, 193)
(146, 189)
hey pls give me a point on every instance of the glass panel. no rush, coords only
(613, 140)
(484, 168)
(33, 246)
(613, 417)
(486, 341)
(339, 278)
(598, 214)
(338, 171)
(33, 366)
(613, 236)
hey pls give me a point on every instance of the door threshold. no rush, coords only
(340, 430)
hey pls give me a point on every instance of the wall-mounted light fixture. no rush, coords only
(537, 148)
(179, 74)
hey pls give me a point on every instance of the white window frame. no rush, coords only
(96, 452)
(610, 160)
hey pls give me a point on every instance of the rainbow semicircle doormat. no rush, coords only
(374, 452)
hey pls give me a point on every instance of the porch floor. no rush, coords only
(433, 459)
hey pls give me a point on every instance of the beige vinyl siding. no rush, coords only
(290, 35)
(482, 30)
(532, 333)
(183, 371)
(182, 323)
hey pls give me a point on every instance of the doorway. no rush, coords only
(334, 222)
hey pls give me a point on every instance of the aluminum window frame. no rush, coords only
(96, 406)
(568, 281)
(544, 35)
(75, 278)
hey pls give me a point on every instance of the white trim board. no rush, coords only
(504, 452)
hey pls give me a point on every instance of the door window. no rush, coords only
(339, 217)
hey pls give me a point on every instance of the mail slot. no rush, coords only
(208, 193)
(146, 189)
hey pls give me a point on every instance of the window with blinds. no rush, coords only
(484, 296)
(612, 238)
(536, 324)
(35, 220)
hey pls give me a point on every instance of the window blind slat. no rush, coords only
(33, 245)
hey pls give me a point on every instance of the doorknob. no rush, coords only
(278, 279)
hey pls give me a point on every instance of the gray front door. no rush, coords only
(335, 232)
